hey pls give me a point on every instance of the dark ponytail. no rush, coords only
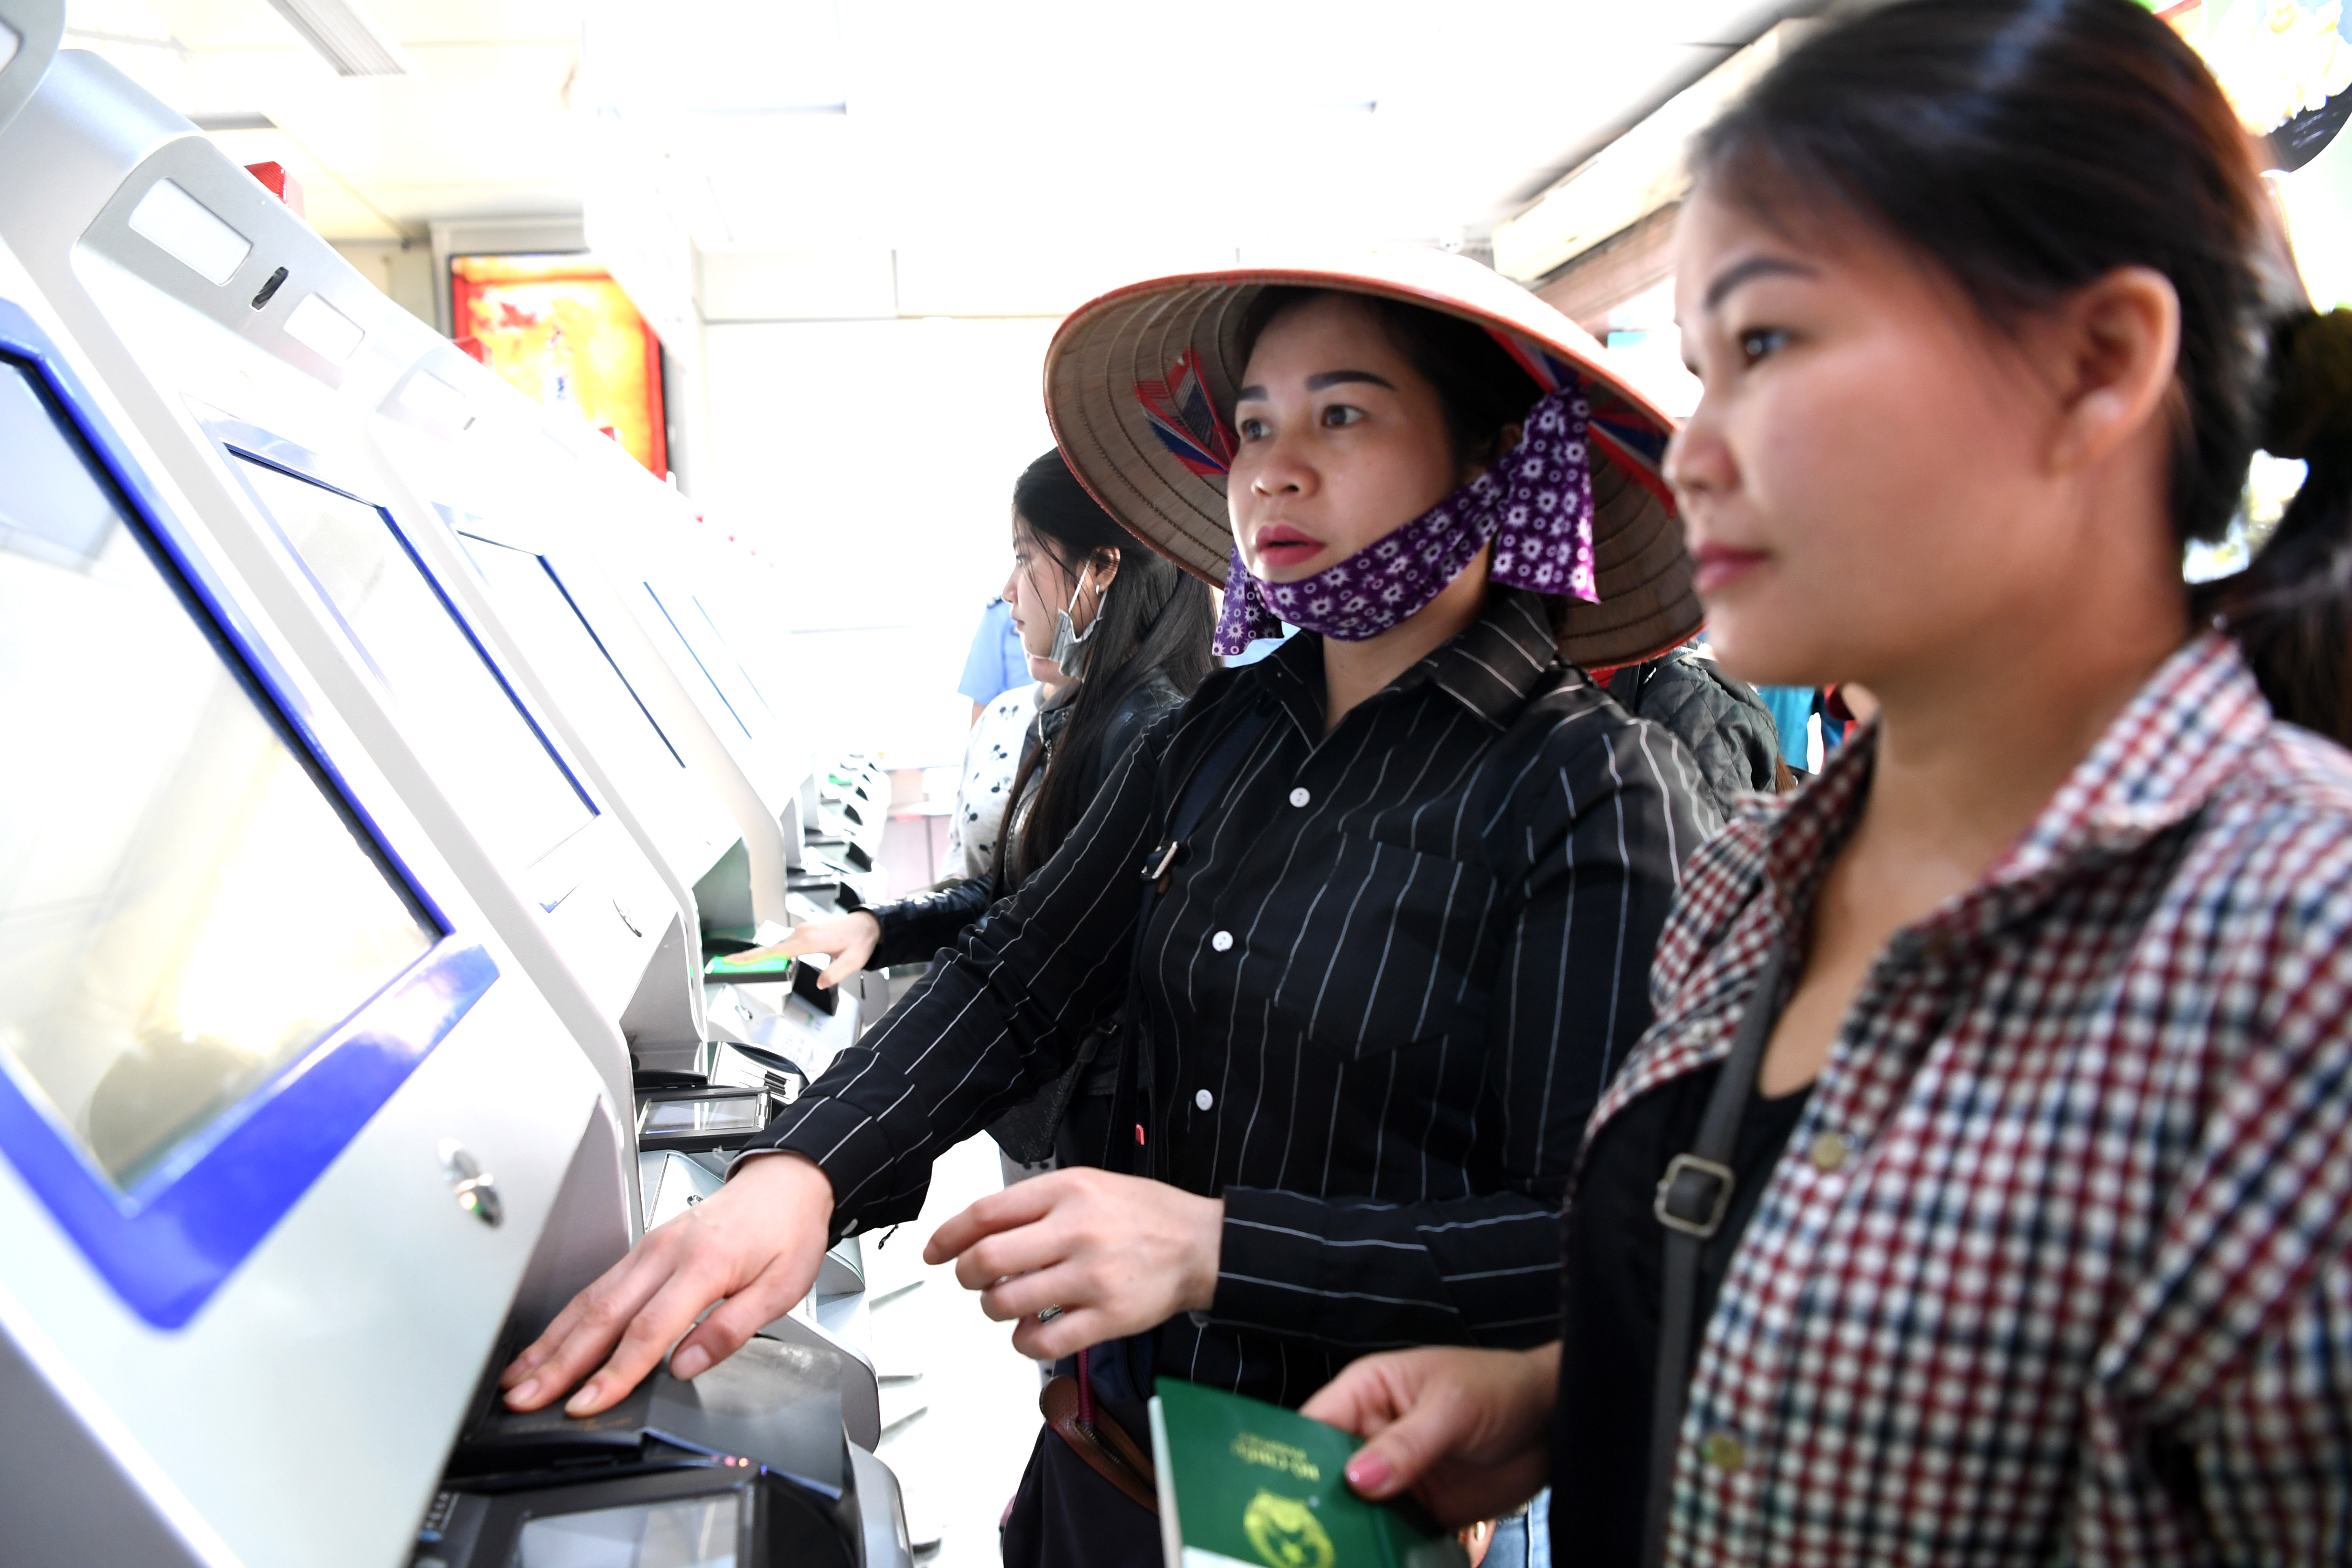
(2292, 609)
(1156, 618)
(2030, 147)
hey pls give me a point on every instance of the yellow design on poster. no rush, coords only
(561, 331)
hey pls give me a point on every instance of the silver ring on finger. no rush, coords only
(1047, 1314)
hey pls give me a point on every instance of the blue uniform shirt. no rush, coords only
(997, 662)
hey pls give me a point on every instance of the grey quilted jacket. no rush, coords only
(1718, 717)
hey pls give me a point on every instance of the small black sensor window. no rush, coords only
(269, 290)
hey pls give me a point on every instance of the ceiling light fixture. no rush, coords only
(234, 120)
(350, 37)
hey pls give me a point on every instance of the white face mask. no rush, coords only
(1069, 653)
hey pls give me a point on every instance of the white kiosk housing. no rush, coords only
(320, 932)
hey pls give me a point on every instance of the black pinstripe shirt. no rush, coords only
(1380, 995)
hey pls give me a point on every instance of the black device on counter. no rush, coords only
(804, 986)
(720, 1514)
(834, 855)
(746, 1466)
(801, 971)
(697, 1120)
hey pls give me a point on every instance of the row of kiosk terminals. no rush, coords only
(383, 760)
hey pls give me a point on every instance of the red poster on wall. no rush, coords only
(561, 330)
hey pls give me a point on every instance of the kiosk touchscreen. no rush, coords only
(499, 523)
(300, 1124)
(530, 593)
(525, 535)
(282, 1122)
(646, 555)
(478, 738)
(246, 354)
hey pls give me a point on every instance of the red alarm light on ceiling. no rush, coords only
(280, 184)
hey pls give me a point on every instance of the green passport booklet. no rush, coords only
(1244, 1484)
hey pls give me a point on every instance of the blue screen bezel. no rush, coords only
(270, 451)
(168, 1246)
(695, 654)
(467, 525)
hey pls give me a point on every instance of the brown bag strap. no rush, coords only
(1105, 1446)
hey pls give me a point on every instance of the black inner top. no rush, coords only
(1610, 1303)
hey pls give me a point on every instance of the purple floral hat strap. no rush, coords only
(1536, 505)
(1244, 618)
(1543, 512)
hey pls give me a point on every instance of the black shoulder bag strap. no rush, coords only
(1694, 1196)
(1208, 783)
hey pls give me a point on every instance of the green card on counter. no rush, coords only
(747, 967)
(1244, 1484)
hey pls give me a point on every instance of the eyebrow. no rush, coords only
(1755, 267)
(1318, 381)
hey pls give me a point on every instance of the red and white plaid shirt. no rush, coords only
(2058, 1265)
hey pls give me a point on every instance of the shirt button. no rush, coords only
(1204, 1100)
(1723, 1451)
(1828, 1150)
(1299, 796)
(1223, 942)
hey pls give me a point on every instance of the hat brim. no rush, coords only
(1133, 336)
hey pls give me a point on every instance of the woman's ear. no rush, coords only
(1106, 564)
(2114, 353)
(1490, 453)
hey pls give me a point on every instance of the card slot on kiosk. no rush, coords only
(699, 1120)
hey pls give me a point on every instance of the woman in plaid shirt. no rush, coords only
(2039, 1240)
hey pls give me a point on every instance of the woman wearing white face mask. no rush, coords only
(1111, 663)
(1372, 915)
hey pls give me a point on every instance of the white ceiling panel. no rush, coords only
(1072, 127)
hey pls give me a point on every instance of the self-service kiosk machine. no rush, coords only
(515, 524)
(143, 237)
(308, 1115)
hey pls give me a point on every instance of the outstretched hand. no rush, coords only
(848, 940)
(1466, 1431)
(1116, 1254)
(753, 1246)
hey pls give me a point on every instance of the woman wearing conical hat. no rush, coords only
(1375, 913)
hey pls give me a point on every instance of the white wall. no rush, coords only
(876, 460)
(402, 269)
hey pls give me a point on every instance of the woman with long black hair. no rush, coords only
(1120, 659)
(1127, 635)
(1983, 1193)
(1371, 916)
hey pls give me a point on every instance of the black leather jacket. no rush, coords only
(916, 927)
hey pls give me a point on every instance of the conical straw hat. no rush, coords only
(1139, 387)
